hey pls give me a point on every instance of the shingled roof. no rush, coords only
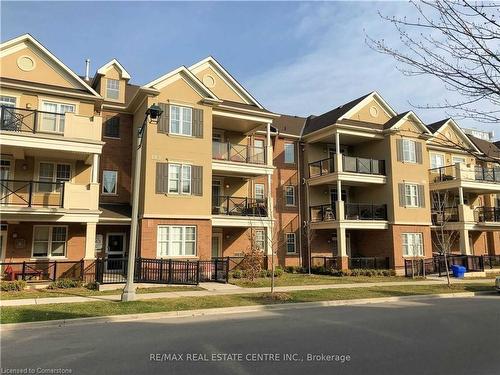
(315, 123)
(487, 148)
(290, 124)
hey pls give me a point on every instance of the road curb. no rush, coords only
(227, 310)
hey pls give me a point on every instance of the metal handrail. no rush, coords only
(239, 206)
(19, 119)
(320, 164)
(26, 191)
(238, 153)
(365, 211)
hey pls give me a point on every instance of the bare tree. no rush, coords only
(459, 43)
(444, 237)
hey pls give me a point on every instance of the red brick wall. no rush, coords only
(148, 234)
(397, 231)
(117, 156)
(75, 247)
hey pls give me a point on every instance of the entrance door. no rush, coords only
(3, 241)
(115, 249)
(4, 186)
(216, 245)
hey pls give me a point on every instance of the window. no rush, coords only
(48, 173)
(289, 153)
(53, 116)
(290, 243)
(112, 89)
(112, 127)
(259, 192)
(290, 195)
(260, 239)
(109, 182)
(437, 161)
(412, 244)
(8, 115)
(49, 241)
(409, 151)
(411, 195)
(458, 159)
(179, 178)
(181, 120)
(176, 241)
(259, 151)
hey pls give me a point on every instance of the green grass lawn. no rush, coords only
(84, 292)
(293, 279)
(89, 309)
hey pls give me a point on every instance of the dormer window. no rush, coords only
(112, 89)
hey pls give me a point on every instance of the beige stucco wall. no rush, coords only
(221, 89)
(113, 73)
(365, 115)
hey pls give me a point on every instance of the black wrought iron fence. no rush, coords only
(437, 265)
(371, 263)
(239, 206)
(42, 270)
(326, 262)
(30, 120)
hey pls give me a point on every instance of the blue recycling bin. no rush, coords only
(458, 271)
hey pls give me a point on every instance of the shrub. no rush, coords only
(292, 269)
(252, 263)
(92, 285)
(278, 272)
(237, 274)
(12, 286)
(264, 273)
(65, 284)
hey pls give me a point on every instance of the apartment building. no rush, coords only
(221, 173)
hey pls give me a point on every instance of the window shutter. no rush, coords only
(399, 149)
(197, 180)
(418, 152)
(402, 200)
(421, 196)
(163, 123)
(161, 178)
(197, 123)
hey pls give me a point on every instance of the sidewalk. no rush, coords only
(214, 289)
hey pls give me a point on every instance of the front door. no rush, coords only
(115, 252)
(216, 245)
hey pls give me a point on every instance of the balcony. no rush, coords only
(446, 215)
(473, 178)
(352, 211)
(351, 169)
(19, 196)
(50, 130)
(488, 214)
(239, 211)
(235, 159)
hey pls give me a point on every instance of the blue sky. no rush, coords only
(296, 58)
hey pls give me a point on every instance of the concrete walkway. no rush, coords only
(217, 289)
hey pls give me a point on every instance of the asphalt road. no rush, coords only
(435, 336)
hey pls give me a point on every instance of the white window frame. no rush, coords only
(181, 121)
(288, 145)
(411, 195)
(433, 156)
(116, 181)
(57, 116)
(258, 239)
(289, 188)
(463, 160)
(170, 241)
(49, 242)
(112, 89)
(290, 239)
(54, 175)
(412, 242)
(258, 195)
(409, 151)
(180, 180)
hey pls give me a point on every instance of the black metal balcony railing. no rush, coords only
(29, 120)
(323, 212)
(350, 164)
(239, 206)
(31, 193)
(321, 167)
(444, 215)
(238, 153)
(491, 214)
(363, 165)
(440, 174)
(361, 211)
(491, 174)
(353, 211)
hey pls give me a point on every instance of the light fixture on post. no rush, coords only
(153, 113)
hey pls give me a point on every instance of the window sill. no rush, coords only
(110, 194)
(178, 257)
(33, 259)
(109, 137)
(184, 136)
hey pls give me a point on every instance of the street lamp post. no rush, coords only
(153, 113)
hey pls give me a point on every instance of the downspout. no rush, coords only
(299, 199)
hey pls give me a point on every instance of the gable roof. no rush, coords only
(487, 148)
(436, 127)
(315, 123)
(226, 77)
(102, 70)
(371, 96)
(393, 121)
(287, 124)
(194, 80)
(10, 44)
(397, 121)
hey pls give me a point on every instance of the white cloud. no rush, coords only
(337, 65)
